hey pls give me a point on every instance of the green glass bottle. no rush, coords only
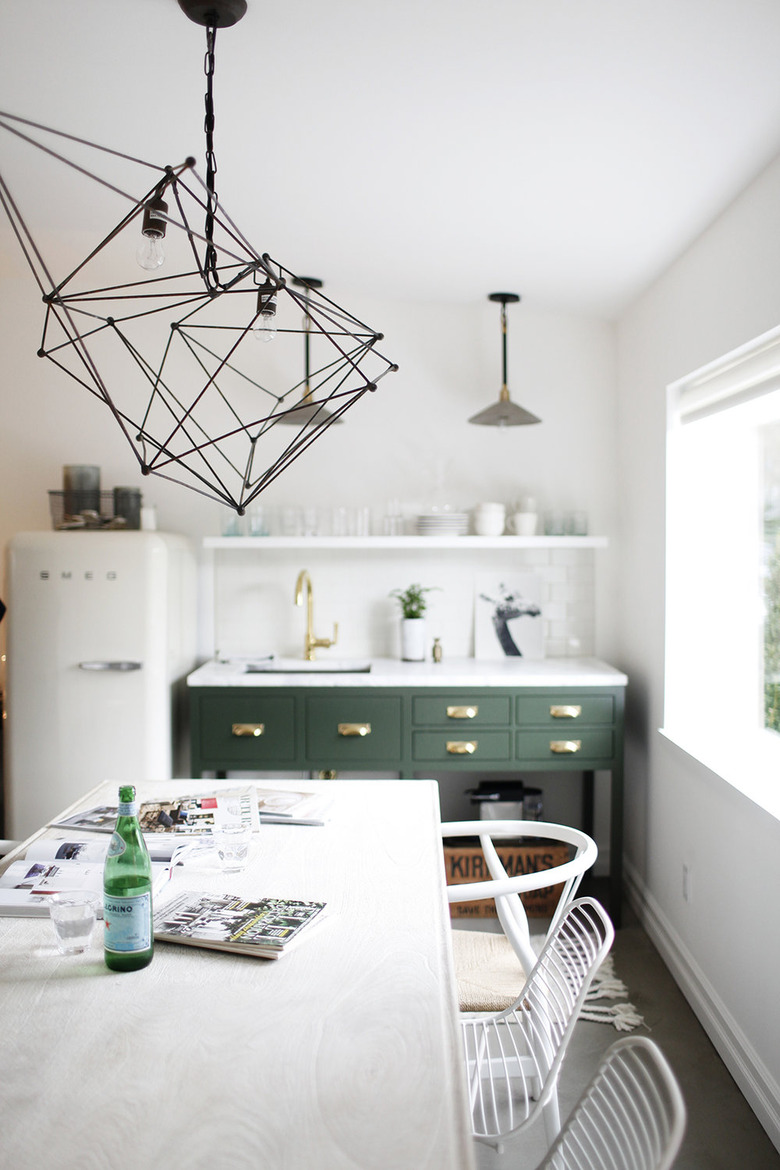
(127, 891)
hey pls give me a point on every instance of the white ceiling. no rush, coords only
(432, 149)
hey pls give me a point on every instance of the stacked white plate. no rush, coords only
(442, 524)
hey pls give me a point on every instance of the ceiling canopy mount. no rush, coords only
(214, 13)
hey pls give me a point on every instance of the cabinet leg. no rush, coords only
(588, 801)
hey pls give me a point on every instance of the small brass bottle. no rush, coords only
(437, 651)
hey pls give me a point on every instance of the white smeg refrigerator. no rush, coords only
(101, 632)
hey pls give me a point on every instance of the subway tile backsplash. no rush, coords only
(254, 611)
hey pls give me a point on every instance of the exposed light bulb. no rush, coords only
(150, 253)
(264, 328)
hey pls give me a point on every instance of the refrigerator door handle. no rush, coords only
(110, 665)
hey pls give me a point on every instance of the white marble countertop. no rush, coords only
(392, 672)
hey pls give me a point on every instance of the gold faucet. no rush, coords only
(311, 642)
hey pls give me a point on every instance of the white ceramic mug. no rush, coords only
(523, 523)
(489, 519)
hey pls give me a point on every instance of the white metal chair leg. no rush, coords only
(552, 1117)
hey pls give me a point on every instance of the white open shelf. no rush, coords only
(404, 542)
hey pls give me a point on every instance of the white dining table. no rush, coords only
(344, 1053)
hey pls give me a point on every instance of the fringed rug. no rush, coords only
(490, 978)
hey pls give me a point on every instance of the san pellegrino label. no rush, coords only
(130, 922)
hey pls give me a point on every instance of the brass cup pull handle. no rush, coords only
(241, 729)
(566, 711)
(461, 747)
(563, 747)
(354, 728)
(462, 712)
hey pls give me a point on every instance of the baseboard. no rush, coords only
(748, 1070)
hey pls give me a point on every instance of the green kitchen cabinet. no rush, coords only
(416, 731)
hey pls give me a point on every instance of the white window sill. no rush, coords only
(750, 764)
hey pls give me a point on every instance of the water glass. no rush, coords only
(259, 520)
(73, 915)
(232, 844)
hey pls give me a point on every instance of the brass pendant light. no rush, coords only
(504, 413)
(308, 410)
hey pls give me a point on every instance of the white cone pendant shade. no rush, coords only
(504, 413)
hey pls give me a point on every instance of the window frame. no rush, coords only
(749, 757)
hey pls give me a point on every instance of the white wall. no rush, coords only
(724, 943)
(410, 441)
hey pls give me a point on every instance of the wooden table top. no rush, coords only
(344, 1053)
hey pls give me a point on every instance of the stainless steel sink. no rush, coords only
(301, 666)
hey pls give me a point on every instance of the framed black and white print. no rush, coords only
(508, 620)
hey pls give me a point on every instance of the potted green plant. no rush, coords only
(413, 606)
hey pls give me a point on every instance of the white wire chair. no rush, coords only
(631, 1116)
(513, 1058)
(506, 890)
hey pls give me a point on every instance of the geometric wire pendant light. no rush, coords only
(178, 353)
(504, 413)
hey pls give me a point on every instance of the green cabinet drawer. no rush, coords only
(353, 728)
(461, 710)
(565, 745)
(564, 710)
(247, 728)
(461, 745)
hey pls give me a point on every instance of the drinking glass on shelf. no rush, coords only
(576, 524)
(360, 522)
(258, 520)
(231, 524)
(292, 521)
(554, 523)
(339, 522)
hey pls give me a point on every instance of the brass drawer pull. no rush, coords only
(354, 728)
(460, 747)
(566, 712)
(563, 747)
(248, 729)
(462, 712)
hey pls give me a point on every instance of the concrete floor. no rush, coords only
(722, 1131)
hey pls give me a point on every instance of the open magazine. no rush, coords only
(182, 815)
(225, 922)
(51, 865)
(205, 811)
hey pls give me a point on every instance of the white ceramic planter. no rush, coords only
(413, 639)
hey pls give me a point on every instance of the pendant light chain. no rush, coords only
(211, 272)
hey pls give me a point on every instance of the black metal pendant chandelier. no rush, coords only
(172, 353)
(504, 413)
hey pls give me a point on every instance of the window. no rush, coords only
(722, 670)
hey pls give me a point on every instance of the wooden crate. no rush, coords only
(466, 863)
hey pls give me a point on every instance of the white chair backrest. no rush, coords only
(536, 1030)
(631, 1116)
(506, 890)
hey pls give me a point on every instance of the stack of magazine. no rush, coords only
(264, 928)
